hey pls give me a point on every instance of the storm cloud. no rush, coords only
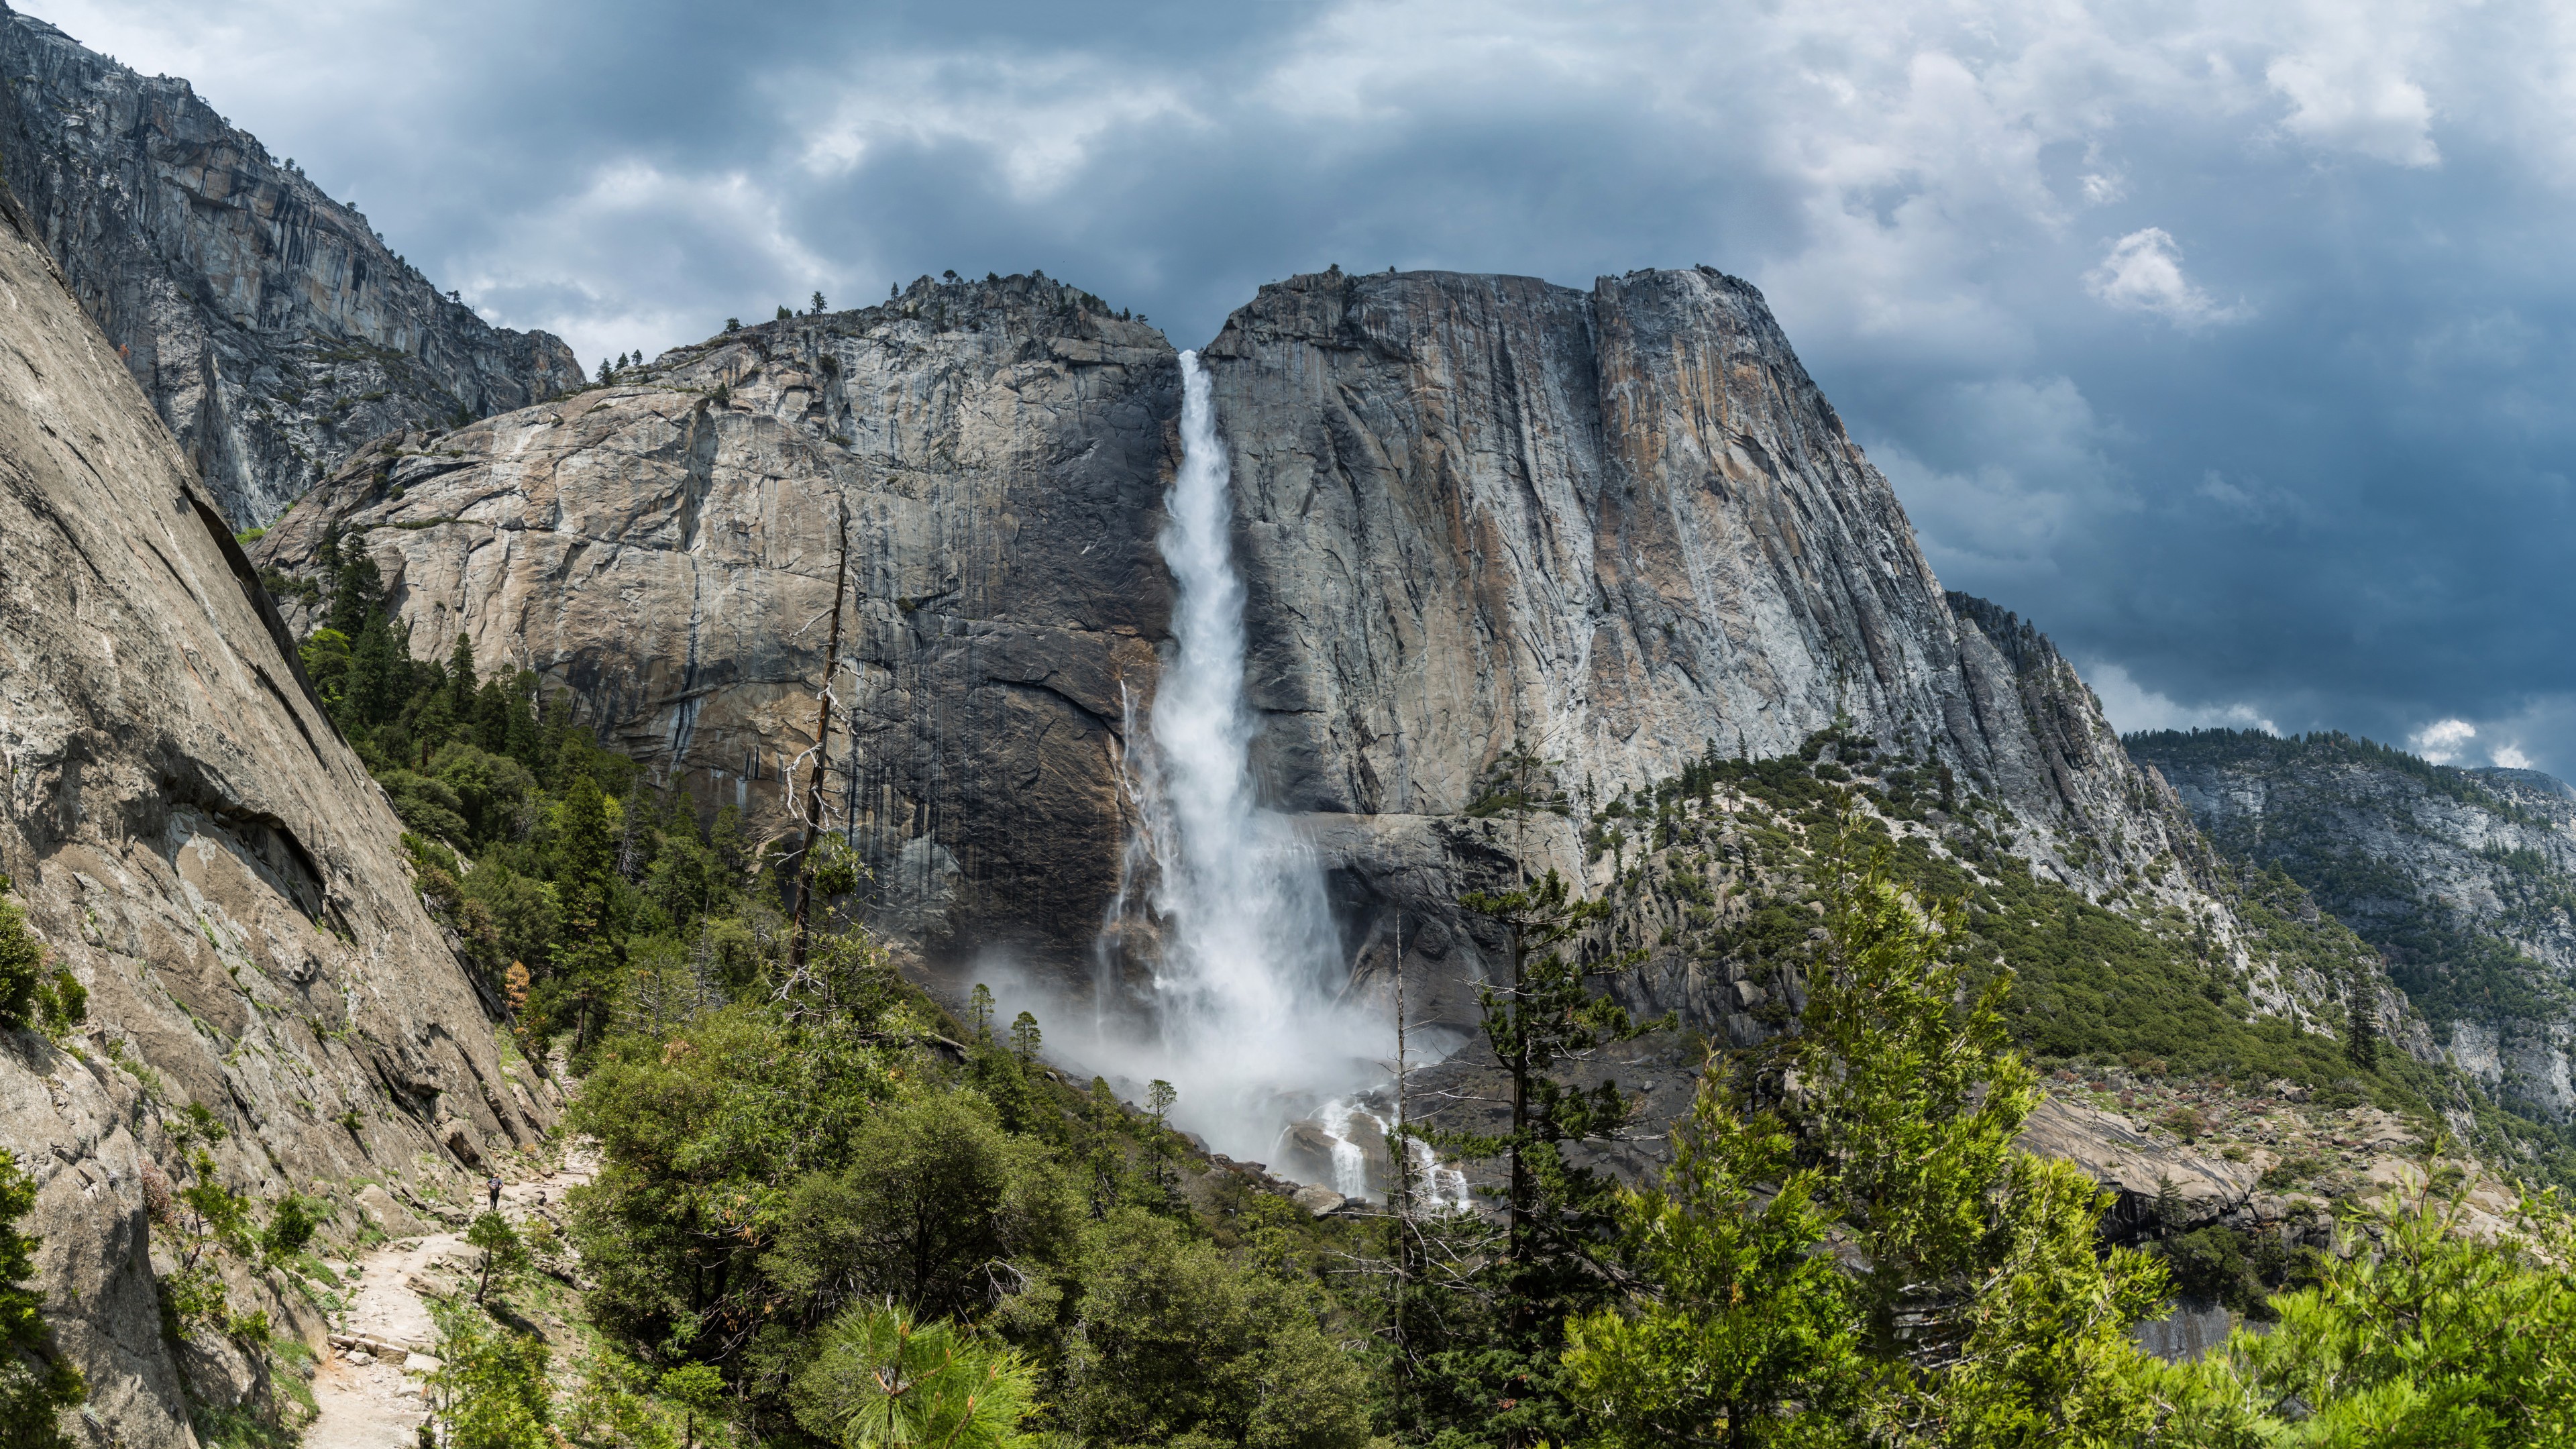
(2229, 343)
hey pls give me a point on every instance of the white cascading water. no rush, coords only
(1437, 1185)
(1217, 895)
(1250, 963)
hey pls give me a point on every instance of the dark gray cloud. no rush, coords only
(2230, 343)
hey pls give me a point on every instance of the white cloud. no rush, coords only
(2132, 707)
(2510, 757)
(2356, 103)
(2143, 273)
(2443, 741)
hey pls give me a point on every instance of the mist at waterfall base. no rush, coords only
(1250, 1012)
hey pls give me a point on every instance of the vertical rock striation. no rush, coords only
(192, 841)
(1613, 529)
(663, 549)
(273, 331)
(1475, 514)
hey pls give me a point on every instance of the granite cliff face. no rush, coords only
(2464, 879)
(1474, 515)
(1613, 529)
(664, 550)
(190, 838)
(272, 330)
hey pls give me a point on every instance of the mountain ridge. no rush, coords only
(273, 330)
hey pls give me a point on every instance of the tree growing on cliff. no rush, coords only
(22, 963)
(36, 1383)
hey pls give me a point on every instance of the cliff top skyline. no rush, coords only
(2221, 345)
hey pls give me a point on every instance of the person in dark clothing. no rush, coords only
(495, 1186)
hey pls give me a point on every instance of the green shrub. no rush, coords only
(22, 963)
(36, 1383)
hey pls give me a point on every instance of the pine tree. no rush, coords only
(355, 586)
(1963, 1299)
(588, 956)
(36, 1382)
(1495, 1357)
(2361, 1041)
(460, 678)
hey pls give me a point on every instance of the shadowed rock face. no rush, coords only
(665, 549)
(192, 841)
(272, 330)
(1472, 513)
(2464, 879)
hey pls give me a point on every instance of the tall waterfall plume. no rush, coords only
(1251, 1028)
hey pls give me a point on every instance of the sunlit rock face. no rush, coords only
(191, 840)
(272, 330)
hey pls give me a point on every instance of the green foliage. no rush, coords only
(2427, 1334)
(1968, 1306)
(62, 1004)
(22, 963)
(1177, 1340)
(705, 1135)
(36, 1383)
(886, 1380)
(1483, 1355)
(698, 1389)
(1746, 1324)
(492, 1385)
(504, 1254)
(935, 1209)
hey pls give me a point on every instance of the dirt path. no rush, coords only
(369, 1387)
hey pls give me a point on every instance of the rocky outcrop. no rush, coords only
(2464, 879)
(663, 550)
(273, 330)
(1614, 528)
(191, 840)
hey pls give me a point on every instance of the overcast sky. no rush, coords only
(2229, 342)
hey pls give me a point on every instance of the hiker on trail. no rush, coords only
(495, 1186)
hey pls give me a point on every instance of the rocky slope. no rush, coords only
(190, 839)
(2464, 879)
(271, 328)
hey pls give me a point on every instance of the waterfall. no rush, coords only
(1218, 897)
(1244, 990)
(1437, 1186)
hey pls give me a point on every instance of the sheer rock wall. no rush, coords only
(1473, 514)
(189, 837)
